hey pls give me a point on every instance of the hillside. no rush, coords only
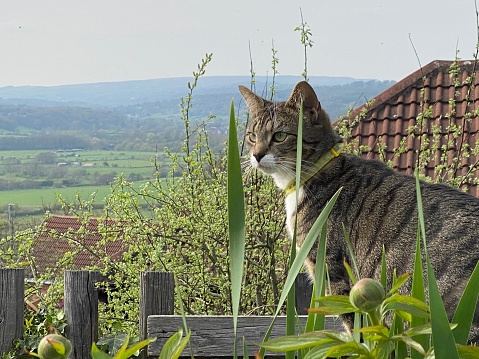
(112, 94)
(144, 115)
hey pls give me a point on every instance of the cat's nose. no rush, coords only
(258, 156)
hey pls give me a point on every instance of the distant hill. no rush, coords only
(111, 94)
(144, 115)
(336, 98)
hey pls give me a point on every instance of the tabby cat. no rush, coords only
(377, 205)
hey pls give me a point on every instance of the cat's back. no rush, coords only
(377, 202)
(377, 182)
(379, 206)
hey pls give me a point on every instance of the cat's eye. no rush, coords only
(279, 136)
(252, 137)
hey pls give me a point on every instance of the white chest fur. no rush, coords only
(290, 206)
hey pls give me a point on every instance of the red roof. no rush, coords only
(94, 239)
(394, 113)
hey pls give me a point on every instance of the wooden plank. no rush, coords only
(11, 307)
(157, 296)
(81, 311)
(212, 336)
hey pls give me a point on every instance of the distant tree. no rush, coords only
(46, 157)
(105, 178)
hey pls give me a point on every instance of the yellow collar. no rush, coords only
(318, 165)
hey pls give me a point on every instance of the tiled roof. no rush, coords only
(62, 234)
(393, 113)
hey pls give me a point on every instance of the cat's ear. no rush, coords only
(304, 91)
(254, 102)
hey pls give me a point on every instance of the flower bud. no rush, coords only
(367, 294)
(54, 346)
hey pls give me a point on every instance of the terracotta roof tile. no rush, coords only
(394, 112)
(62, 234)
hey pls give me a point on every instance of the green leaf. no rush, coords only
(333, 305)
(407, 304)
(236, 219)
(399, 282)
(384, 277)
(425, 329)
(465, 309)
(418, 292)
(175, 345)
(319, 279)
(122, 349)
(97, 353)
(411, 343)
(306, 247)
(467, 351)
(306, 340)
(378, 330)
(291, 299)
(301, 256)
(441, 332)
(245, 349)
(351, 275)
(315, 321)
(296, 342)
(383, 350)
(351, 254)
(397, 328)
(182, 309)
(348, 349)
(114, 342)
(134, 348)
(319, 351)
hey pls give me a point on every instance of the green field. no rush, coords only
(48, 196)
(83, 169)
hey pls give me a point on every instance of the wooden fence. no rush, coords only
(212, 336)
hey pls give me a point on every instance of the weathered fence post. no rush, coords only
(81, 311)
(157, 296)
(11, 307)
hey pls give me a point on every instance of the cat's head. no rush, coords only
(271, 133)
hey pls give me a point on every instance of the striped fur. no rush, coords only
(377, 206)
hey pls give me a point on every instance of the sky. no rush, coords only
(57, 42)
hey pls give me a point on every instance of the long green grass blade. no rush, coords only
(465, 309)
(397, 327)
(236, 220)
(306, 247)
(320, 275)
(291, 307)
(442, 336)
(301, 256)
(175, 345)
(384, 276)
(418, 292)
(245, 349)
(291, 300)
(182, 310)
(351, 253)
